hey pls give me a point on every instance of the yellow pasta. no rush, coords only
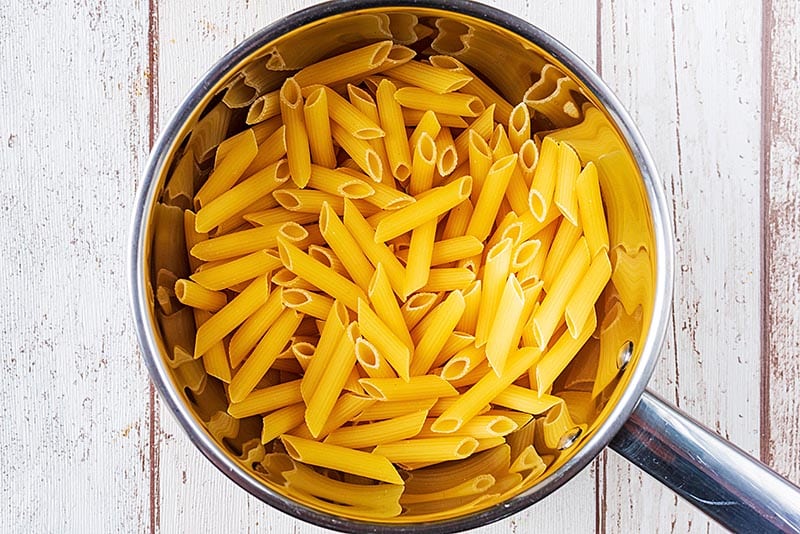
(345, 247)
(193, 294)
(560, 354)
(192, 237)
(239, 197)
(350, 117)
(254, 327)
(317, 119)
(456, 342)
(281, 421)
(330, 385)
(417, 306)
(432, 204)
(395, 138)
(267, 399)
(444, 319)
(564, 242)
(233, 272)
(307, 302)
(448, 279)
(525, 400)
(389, 198)
(528, 160)
(391, 347)
(519, 126)
(551, 312)
(215, 359)
(398, 389)
(590, 207)
(242, 150)
(364, 102)
(420, 254)
(490, 196)
(447, 157)
(479, 427)
(428, 124)
(474, 486)
(330, 336)
(380, 410)
(449, 104)
(297, 149)
(386, 305)
(366, 464)
(264, 355)
(412, 117)
(344, 66)
(422, 165)
(544, 179)
(264, 107)
(371, 361)
(386, 431)
(360, 150)
(378, 253)
(487, 388)
(428, 449)
(581, 303)
(498, 262)
(564, 197)
(319, 275)
(500, 338)
(482, 125)
(429, 77)
(270, 150)
(480, 161)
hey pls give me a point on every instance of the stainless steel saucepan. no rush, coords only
(736, 490)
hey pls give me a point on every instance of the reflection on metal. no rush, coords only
(625, 354)
(568, 439)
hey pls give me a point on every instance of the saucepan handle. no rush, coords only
(720, 479)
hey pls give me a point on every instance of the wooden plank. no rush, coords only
(781, 409)
(192, 493)
(700, 116)
(75, 392)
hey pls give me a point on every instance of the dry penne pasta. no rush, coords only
(426, 284)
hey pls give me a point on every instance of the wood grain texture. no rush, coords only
(74, 389)
(700, 117)
(782, 237)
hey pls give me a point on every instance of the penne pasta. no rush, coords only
(215, 359)
(417, 306)
(297, 148)
(264, 355)
(338, 365)
(551, 312)
(345, 247)
(270, 150)
(519, 126)
(317, 119)
(440, 449)
(564, 197)
(366, 464)
(266, 400)
(555, 360)
(544, 179)
(350, 117)
(307, 302)
(432, 204)
(319, 275)
(398, 389)
(431, 341)
(480, 161)
(412, 117)
(501, 339)
(429, 77)
(240, 152)
(581, 304)
(381, 410)
(390, 346)
(264, 107)
(281, 421)
(193, 294)
(590, 208)
(344, 66)
(564, 241)
(397, 148)
(241, 196)
(254, 327)
(370, 360)
(450, 104)
(386, 306)
(423, 165)
(490, 196)
(498, 263)
(386, 431)
(230, 273)
(330, 336)
(447, 157)
(428, 124)
(420, 254)
(448, 279)
(362, 153)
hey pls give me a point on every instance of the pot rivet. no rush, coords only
(569, 438)
(625, 355)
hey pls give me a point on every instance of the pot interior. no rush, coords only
(562, 106)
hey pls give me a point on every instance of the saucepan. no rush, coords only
(566, 96)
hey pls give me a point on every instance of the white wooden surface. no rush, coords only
(87, 445)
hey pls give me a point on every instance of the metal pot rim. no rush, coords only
(660, 218)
